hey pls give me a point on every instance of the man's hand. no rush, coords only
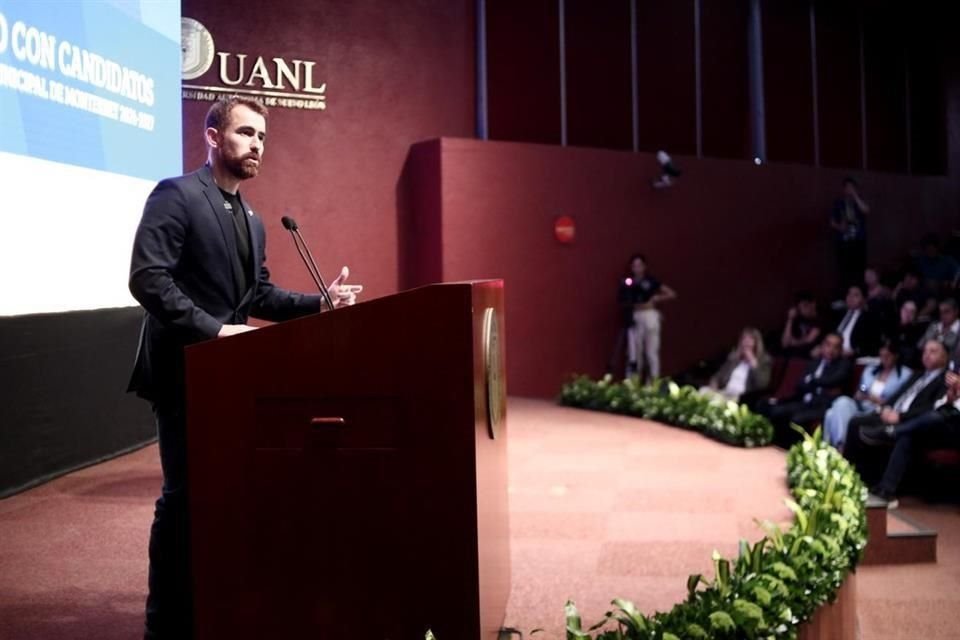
(342, 294)
(889, 416)
(233, 330)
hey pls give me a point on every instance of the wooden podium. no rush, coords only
(344, 481)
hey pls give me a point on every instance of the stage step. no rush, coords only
(896, 539)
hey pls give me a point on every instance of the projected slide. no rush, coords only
(91, 114)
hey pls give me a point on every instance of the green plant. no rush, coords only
(774, 584)
(665, 401)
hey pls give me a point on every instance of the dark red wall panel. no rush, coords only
(666, 76)
(838, 83)
(724, 78)
(884, 47)
(788, 80)
(927, 60)
(396, 73)
(523, 70)
(713, 237)
(599, 74)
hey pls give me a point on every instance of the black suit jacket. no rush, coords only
(185, 273)
(865, 337)
(925, 400)
(835, 375)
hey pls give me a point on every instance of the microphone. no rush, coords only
(291, 225)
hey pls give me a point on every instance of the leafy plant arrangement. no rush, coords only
(666, 401)
(775, 584)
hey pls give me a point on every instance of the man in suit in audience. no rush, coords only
(858, 327)
(938, 427)
(916, 397)
(822, 382)
(947, 328)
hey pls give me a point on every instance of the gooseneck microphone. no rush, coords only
(291, 225)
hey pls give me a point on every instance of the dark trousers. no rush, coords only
(927, 431)
(169, 610)
(787, 412)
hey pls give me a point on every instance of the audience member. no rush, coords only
(638, 296)
(848, 220)
(947, 328)
(915, 397)
(877, 385)
(747, 369)
(821, 383)
(801, 332)
(935, 428)
(857, 328)
(911, 288)
(879, 297)
(939, 271)
(907, 334)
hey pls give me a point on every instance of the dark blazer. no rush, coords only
(835, 375)
(865, 337)
(186, 273)
(927, 397)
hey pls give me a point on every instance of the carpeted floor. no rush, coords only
(602, 506)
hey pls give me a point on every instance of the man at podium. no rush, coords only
(198, 271)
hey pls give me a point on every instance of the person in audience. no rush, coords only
(801, 332)
(935, 428)
(821, 383)
(857, 327)
(747, 369)
(947, 328)
(916, 396)
(848, 220)
(939, 271)
(639, 295)
(879, 297)
(907, 334)
(877, 385)
(911, 288)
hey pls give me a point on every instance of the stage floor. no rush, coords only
(601, 506)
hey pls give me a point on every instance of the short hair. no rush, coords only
(833, 334)
(858, 287)
(950, 302)
(805, 296)
(851, 181)
(219, 113)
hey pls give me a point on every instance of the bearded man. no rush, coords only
(198, 271)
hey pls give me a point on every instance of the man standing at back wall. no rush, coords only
(198, 270)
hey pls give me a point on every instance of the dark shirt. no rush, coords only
(802, 325)
(633, 292)
(233, 205)
(849, 211)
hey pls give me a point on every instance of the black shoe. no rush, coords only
(880, 436)
(880, 497)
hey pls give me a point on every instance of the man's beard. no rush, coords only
(240, 167)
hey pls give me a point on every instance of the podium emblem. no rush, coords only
(493, 370)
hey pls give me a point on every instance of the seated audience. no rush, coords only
(877, 385)
(747, 369)
(947, 328)
(907, 334)
(879, 297)
(916, 396)
(822, 382)
(857, 328)
(911, 288)
(938, 271)
(935, 428)
(801, 333)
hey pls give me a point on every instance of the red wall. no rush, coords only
(396, 73)
(733, 239)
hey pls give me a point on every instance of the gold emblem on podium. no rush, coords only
(493, 370)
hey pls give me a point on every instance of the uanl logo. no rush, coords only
(274, 81)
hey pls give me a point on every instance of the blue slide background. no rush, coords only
(143, 35)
